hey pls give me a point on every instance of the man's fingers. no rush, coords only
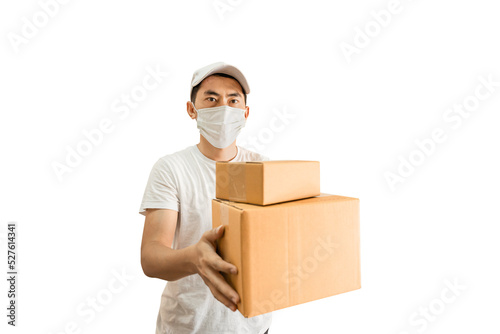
(215, 233)
(220, 297)
(220, 265)
(211, 264)
(221, 285)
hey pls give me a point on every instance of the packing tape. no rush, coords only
(237, 182)
(224, 214)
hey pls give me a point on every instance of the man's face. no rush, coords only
(218, 91)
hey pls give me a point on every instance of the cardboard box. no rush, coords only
(267, 182)
(289, 253)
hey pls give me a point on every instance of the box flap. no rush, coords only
(320, 197)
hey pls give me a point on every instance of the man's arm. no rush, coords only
(159, 260)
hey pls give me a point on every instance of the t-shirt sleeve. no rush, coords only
(161, 190)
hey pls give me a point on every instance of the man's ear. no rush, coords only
(190, 110)
(247, 108)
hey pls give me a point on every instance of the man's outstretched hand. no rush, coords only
(209, 265)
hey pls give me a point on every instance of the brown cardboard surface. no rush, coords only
(290, 253)
(267, 182)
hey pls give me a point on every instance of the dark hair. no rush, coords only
(197, 87)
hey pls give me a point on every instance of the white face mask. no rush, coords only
(220, 125)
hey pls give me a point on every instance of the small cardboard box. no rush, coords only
(267, 182)
(289, 253)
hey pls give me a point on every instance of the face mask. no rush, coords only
(220, 125)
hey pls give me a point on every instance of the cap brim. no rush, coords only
(220, 67)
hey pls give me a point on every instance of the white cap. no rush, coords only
(219, 67)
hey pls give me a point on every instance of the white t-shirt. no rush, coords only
(185, 181)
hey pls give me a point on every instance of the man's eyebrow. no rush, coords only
(211, 92)
(234, 94)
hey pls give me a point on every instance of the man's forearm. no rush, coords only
(163, 262)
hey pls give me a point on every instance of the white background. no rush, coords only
(355, 117)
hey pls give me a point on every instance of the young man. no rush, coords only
(178, 243)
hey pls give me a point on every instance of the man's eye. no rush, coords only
(211, 99)
(234, 101)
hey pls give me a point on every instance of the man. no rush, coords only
(178, 243)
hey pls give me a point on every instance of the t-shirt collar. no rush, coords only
(203, 157)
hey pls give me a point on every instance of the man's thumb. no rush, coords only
(217, 231)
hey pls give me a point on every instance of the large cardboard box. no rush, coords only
(267, 182)
(289, 253)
